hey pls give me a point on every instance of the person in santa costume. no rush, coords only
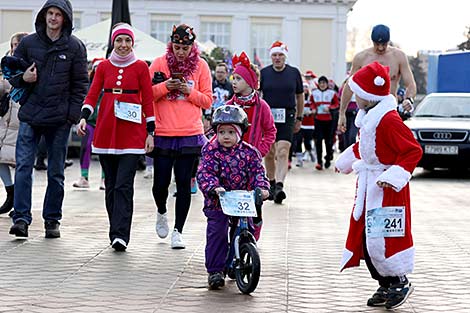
(383, 158)
(124, 127)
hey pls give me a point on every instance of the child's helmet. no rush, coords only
(230, 114)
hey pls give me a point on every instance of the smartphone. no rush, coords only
(178, 76)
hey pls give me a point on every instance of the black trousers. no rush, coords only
(304, 136)
(323, 133)
(183, 167)
(119, 173)
(384, 281)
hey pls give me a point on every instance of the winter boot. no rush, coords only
(8, 204)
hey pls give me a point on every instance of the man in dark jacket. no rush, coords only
(57, 82)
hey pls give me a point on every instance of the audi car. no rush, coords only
(441, 124)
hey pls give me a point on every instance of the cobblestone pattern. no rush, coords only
(301, 247)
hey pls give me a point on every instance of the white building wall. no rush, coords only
(240, 13)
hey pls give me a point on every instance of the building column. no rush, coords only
(240, 25)
(340, 33)
(140, 20)
(192, 20)
(291, 36)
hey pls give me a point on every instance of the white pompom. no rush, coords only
(379, 81)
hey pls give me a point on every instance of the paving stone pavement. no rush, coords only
(300, 248)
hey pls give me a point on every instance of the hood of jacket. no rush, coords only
(66, 7)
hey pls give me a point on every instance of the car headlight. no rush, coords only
(415, 134)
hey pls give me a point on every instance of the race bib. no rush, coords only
(128, 111)
(238, 203)
(386, 222)
(279, 115)
(323, 109)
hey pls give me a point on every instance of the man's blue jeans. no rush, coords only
(56, 142)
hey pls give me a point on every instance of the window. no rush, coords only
(263, 34)
(162, 25)
(77, 20)
(217, 32)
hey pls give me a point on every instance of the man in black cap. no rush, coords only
(386, 55)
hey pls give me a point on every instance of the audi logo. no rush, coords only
(442, 136)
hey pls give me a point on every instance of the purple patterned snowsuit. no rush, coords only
(236, 168)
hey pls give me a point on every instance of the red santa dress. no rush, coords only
(132, 85)
(386, 152)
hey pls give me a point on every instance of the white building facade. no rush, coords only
(314, 30)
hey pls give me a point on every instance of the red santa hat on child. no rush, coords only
(371, 83)
(278, 47)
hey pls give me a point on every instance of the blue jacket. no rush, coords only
(57, 96)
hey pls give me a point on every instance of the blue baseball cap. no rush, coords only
(380, 34)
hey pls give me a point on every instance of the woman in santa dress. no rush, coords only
(124, 127)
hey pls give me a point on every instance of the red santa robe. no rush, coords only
(386, 152)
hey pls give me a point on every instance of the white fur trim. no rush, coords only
(89, 107)
(150, 119)
(282, 49)
(345, 160)
(361, 92)
(379, 81)
(367, 192)
(347, 255)
(116, 151)
(396, 176)
(399, 264)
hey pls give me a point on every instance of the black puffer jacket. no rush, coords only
(56, 97)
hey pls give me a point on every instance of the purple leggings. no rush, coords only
(85, 148)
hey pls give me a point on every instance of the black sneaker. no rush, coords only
(216, 280)
(379, 298)
(40, 166)
(279, 194)
(19, 229)
(52, 229)
(68, 163)
(272, 189)
(327, 164)
(397, 295)
(119, 245)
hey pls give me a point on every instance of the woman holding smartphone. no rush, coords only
(182, 87)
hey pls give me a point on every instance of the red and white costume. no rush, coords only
(323, 101)
(114, 135)
(386, 152)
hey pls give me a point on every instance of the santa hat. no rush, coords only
(95, 62)
(122, 29)
(278, 47)
(371, 83)
(310, 73)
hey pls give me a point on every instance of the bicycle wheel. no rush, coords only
(248, 268)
